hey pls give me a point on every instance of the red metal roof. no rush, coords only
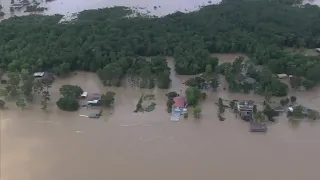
(178, 102)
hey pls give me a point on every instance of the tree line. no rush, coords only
(110, 41)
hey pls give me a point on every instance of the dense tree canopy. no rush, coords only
(111, 42)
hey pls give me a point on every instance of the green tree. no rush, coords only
(259, 116)
(12, 88)
(2, 104)
(214, 82)
(38, 86)
(208, 69)
(193, 95)
(269, 112)
(27, 84)
(284, 102)
(169, 105)
(45, 99)
(255, 109)
(21, 102)
(298, 111)
(163, 79)
(293, 99)
(308, 84)
(68, 103)
(172, 94)
(71, 91)
(107, 99)
(232, 104)
(267, 96)
(221, 106)
(197, 112)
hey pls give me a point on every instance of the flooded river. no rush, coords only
(158, 8)
(124, 145)
(69, 7)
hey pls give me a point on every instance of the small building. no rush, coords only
(245, 109)
(282, 76)
(245, 105)
(46, 77)
(258, 127)
(93, 112)
(178, 108)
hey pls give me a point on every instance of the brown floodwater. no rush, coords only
(124, 145)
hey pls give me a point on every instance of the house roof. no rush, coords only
(38, 74)
(178, 102)
(282, 75)
(250, 80)
(246, 102)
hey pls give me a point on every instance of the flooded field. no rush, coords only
(124, 145)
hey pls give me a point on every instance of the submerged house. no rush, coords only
(245, 109)
(45, 77)
(258, 127)
(179, 102)
(178, 108)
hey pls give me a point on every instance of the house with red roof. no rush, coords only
(179, 102)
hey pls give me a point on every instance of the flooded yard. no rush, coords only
(126, 145)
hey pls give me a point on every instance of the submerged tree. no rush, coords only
(2, 104)
(221, 106)
(107, 99)
(71, 91)
(45, 100)
(21, 102)
(193, 95)
(197, 112)
(293, 99)
(12, 88)
(69, 103)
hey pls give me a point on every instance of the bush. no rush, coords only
(68, 103)
(172, 94)
(293, 99)
(285, 101)
(169, 105)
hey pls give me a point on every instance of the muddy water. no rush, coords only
(123, 145)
